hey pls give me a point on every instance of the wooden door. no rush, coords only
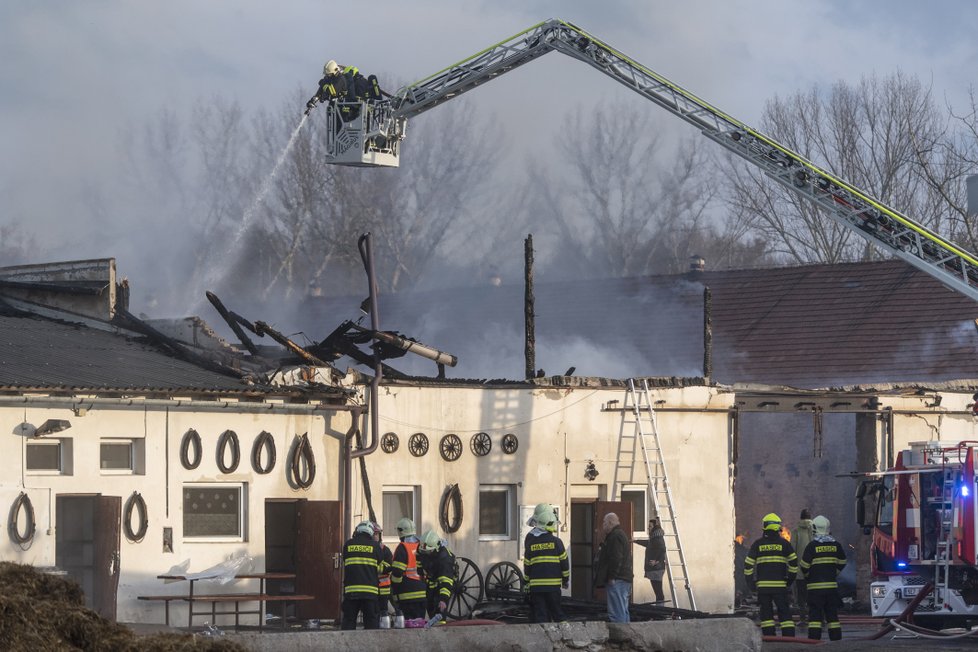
(318, 558)
(108, 532)
(623, 509)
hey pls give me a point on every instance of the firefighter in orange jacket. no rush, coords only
(770, 568)
(408, 589)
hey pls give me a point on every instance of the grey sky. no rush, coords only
(74, 74)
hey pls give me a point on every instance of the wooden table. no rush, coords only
(261, 597)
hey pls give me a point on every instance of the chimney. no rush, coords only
(971, 181)
(697, 263)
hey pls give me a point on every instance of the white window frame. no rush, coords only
(511, 529)
(415, 491)
(242, 535)
(37, 443)
(639, 526)
(118, 441)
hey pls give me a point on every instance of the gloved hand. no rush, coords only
(310, 105)
(565, 583)
(442, 607)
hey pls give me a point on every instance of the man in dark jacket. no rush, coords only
(770, 568)
(614, 570)
(361, 562)
(822, 561)
(545, 566)
(655, 558)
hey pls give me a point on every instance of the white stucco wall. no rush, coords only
(916, 419)
(161, 485)
(559, 430)
(553, 425)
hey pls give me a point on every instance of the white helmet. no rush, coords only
(365, 527)
(331, 68)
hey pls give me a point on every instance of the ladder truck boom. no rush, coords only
(881, 225)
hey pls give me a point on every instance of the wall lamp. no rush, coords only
(590, 471)
(52, 426)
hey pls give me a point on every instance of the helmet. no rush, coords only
(364, 527)
(543, 517)
(331, 68)
(405, 527)
(429, 542)
(821, 525)
(772, 522)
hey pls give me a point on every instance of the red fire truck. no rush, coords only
(922, 515)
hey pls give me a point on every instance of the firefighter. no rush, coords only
(331, 87)
(822, 561)
(545, 566)
(361, 562)
(383, 579)
(770, 568)
(409, 592)
(438, 569)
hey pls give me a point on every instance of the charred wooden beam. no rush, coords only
(232, 322)
(261, 328)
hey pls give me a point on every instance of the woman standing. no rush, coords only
(655, 558)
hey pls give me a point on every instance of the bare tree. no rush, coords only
(630, 204)
(947, 160)
(861, 134)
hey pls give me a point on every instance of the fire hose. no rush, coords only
(23, 502)
(137, 503)
(191, 439)
(451, 498)
(302, 451)
(228, 437)
(265, 442)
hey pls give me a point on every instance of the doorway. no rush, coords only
(87, 540)
(304, 537)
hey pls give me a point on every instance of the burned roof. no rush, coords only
(42, 354)
(812, 326)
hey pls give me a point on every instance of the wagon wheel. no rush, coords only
(467, 591)
(504, 581)
(481, 444)
(451, 448)
(510, 443)
(418, 444)
(389, 442)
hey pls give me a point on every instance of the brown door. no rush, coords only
(623, 510)
(87, 539)
(318, 565)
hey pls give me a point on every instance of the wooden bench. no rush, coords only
(225, 598)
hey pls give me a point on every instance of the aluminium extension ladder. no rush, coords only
(639, 409)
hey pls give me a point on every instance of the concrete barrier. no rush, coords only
(705, 635)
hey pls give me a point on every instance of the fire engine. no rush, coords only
(923, 517)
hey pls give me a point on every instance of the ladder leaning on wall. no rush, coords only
(639, 408)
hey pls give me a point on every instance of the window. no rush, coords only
(399, 502)
(497, 506)
(44, 456)
(637, 496)
(116, 455)
(214, 511)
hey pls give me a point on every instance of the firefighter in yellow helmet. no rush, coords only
(770, 568)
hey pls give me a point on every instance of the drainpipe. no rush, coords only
(363, 244)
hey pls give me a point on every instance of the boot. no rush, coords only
(385, 622)
(398, 622)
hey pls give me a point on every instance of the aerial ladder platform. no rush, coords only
(373, 137)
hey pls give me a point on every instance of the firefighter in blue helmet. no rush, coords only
(770, 568)
(545, 566)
